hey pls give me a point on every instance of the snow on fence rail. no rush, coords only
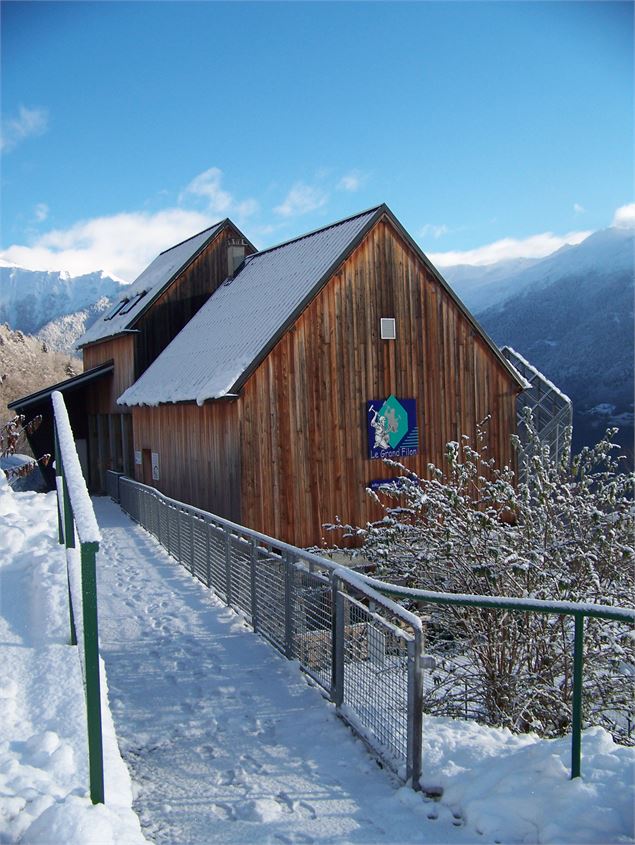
(362, 648)
(76, 520)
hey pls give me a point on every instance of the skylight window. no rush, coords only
(116, 309)
(132, 302)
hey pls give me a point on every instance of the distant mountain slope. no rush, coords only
(55, 306)
(27, 365)
(608, 250)
(571, 315)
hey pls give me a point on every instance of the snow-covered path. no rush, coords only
(225, 739)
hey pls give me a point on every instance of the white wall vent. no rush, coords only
(388, 330)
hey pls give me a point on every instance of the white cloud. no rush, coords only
(41, 212)
(28, 124)
(578, 209)
(218, 201)
(301, 199)
(434, 231)
(535, 246)
(351, 181)
(122, 245)
(624, 217)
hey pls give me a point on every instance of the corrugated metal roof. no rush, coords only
(237, 325)
(147, 286)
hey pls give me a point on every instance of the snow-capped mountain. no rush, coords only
(55, 306)
(605, 251)
(571, 315)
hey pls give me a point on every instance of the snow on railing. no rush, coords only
(76, 518)
(83, 512)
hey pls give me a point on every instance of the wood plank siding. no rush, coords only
(303, 411)
(182, 299)
(102, 396)
(199, 453)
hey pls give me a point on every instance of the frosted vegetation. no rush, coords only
(28, 364)
(564, 533)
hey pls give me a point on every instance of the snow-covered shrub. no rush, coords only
(12, 433)
(563, 532)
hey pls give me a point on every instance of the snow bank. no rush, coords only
(43, 743)
(517, 788)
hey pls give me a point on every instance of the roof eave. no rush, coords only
(73, 382)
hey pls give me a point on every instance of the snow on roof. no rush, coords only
(243, 316)
(147, 286)
(535, 372)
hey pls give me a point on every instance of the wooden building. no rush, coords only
(119, 347)
(275, 403)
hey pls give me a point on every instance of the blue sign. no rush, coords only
(392, 428)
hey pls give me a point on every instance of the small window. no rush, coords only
(388, 331)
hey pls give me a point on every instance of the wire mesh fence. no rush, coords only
(363, 650)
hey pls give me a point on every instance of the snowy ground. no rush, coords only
(226, 741)
(43, 760)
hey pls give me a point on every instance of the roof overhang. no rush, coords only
(63, 386)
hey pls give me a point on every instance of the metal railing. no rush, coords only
(76, 521)
(361, 648)
(112, 484)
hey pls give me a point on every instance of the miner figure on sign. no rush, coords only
(381, 429)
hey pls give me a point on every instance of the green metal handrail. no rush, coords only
(579, 611)
(67, 501)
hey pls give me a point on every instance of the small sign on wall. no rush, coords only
(137, 458)
(392, 428)
(155, 466)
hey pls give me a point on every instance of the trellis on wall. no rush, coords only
(551, 408)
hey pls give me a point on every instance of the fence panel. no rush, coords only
(287, 596)
(361, 647)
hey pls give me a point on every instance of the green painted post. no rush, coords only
(68, 532)
(58, 472)
(576, 722)
(69, 522)
(91, 663)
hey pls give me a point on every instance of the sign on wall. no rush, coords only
(155, 466)
(392, 428)
(137, 457)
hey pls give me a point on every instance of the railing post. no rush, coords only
(62, 529)
(191, 517)
(208, 562)
(253, 559)
(415, 710)
(91, 658)
(58, 473)
(576, 721)
(288, 606)
(228, 565)
(179, 555)
(337, 642)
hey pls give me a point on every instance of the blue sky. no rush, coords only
(129, 126)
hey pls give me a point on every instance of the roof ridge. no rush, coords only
(209, 229)
(310, 234)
